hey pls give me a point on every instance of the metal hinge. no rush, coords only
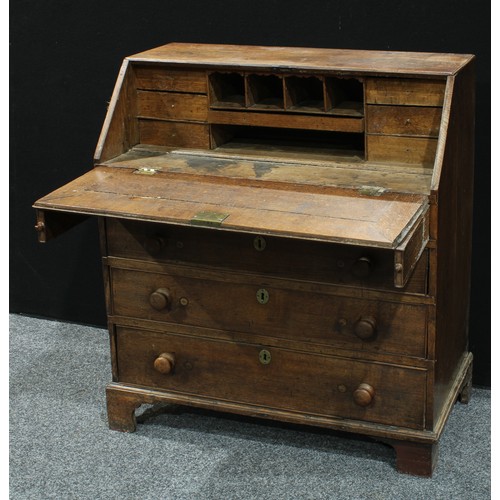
(208, 219)
(146, 171)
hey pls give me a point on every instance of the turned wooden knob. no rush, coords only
(362, 267)
(164, 363)
(153, 245)
(366, 327)
(363, 395)
(160, 299)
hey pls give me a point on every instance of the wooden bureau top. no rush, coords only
(311, 59)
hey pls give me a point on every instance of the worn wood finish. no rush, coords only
(392, 148)
(305, 59)
(176, 134)
(121, 410)
(50, 225)
(454, 237)
(170, 79)
(291, 381)
(335, 123)
(410, 250)
(280, 257)
(329, 283)
(120, 130)
(403, 120)
(172, 106)
(227, 301)
(163, 197)
(277, 168)
(406, 92)
(417, 459)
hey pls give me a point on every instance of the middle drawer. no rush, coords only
(294, 310)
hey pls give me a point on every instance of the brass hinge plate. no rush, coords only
(208, 219)
(371, 190)
(146, 171)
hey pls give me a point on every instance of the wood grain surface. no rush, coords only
(162, 197)
(323, 60)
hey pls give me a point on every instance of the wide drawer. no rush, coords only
(300, 311)
(272, 377)
(319, 261)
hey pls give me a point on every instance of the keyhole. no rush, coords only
(259, 243)
(265, 357)
(262, 296)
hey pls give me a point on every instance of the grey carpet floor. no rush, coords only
(61, 448)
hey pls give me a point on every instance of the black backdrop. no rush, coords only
(65, 56)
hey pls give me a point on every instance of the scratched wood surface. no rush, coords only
(341, 124)
(274, 166)
(403, 120)
(293, 380)
(164, 197)
(227, 301)
(362, 61)
(327, 262)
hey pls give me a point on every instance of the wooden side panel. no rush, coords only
(174, 134)
(158, 77)
(404, 91)
(411, 150)
(454, 237)
(403, 120)
(119, 132)
(172, 106)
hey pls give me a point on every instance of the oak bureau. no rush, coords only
(286, 234)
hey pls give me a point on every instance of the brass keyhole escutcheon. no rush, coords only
(262, 296)
(265, 357)
(259, 243)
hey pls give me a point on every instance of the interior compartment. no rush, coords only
(227, 90)
(344, 96)
(279, 139)
(304, 94)
(265, 91)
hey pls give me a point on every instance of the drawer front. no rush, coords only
(401, 149)
(403, 120)
(325, 262)
(174, 134)
(404, 91)
(156, 77)
(172, 106)
(272, 377)
(276, 308)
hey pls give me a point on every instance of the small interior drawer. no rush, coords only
(264, 306)
(172, 106)
(156, 77)
(405, 91)
(272, 377)
(403, 120)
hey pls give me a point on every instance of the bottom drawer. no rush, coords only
(273, 377)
